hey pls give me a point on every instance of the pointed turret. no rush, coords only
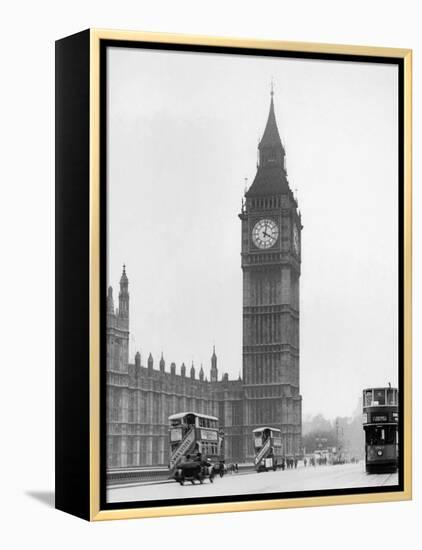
(183, 370)
(214, 370)
(110, 300)
(123, 279)
(124, 296)
(162, 363)
(173, 368)
(150, 362)
(137, 359)
(213, 356)
(192, 372)
(201, 374)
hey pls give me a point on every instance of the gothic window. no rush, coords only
(155, 459)
(143, 407)
(154, 409)
(129, 451)
(142, 450)
(237, 413)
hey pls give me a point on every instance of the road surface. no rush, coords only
(300, 479)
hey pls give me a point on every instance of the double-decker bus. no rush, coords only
(380, 422)
(268, 448)
(193, 433)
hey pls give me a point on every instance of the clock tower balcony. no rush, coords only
(258, 259)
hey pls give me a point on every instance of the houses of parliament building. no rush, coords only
(143, 393)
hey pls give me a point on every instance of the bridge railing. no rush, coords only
(117, 476)
(137, 475)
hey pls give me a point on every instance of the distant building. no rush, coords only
(140, 398)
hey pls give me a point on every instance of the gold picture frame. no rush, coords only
(78, 475)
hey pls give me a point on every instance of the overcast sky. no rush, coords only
(183, 133)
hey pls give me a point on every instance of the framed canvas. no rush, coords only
(233, 274)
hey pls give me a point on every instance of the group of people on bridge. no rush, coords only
(289, 463)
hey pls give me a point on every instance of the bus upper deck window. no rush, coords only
(391, 397)
(368, 398)
(379, 396)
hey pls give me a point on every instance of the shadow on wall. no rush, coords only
(45, 497)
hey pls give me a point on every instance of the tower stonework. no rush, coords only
(271, 260)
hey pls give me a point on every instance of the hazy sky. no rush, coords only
(183, 134)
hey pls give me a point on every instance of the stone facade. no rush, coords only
(140, 398)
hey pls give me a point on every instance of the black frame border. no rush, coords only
(72, 250)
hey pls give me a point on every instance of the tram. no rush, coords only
(268, 448)
(192, 435)
(380, 423)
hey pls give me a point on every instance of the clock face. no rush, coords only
(296, 239)
(265, 234)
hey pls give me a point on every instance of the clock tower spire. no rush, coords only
(271, 150)
(271, 260)
(271, 175)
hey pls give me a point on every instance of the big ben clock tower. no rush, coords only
(271, 259)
